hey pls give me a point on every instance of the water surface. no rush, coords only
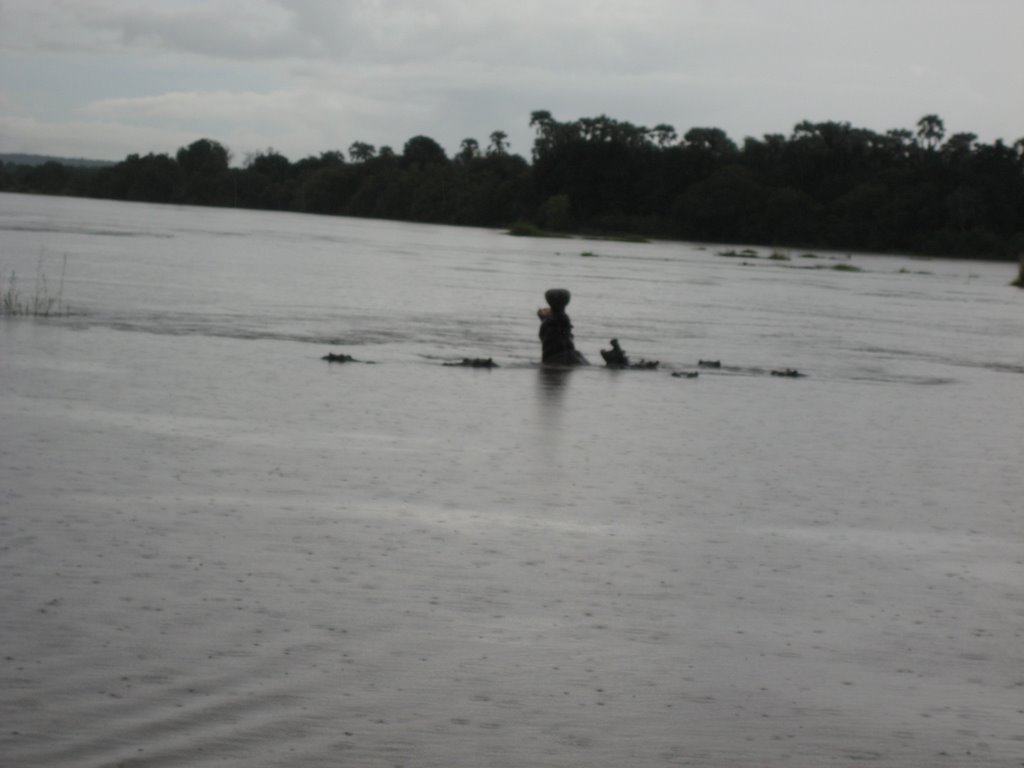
(218, 549)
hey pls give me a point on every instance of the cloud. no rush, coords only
(308, 75)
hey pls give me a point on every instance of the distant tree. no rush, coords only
(554, 213)
(959, 145)
(499, 143)
(469, 149)
(360, 151)
(663, 135)
(828, 184)
(930, 132)
(1018, 149)
(269, 163)
(207, 181)
(204, 157)
(898, 144)
(712, 141)
(312, 163)
(423, 150)
(50, 178)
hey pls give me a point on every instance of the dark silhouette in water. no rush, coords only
(616, 358)
(790, 373)
(709, 363)
(341, 357)
(475, 362)
(555, 331)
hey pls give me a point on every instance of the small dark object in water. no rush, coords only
(686, 374)
(475, 362)
(339, 357)
(644, 365)
(790, 373)
(709, 363)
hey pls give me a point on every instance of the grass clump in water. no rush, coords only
(41, 303)
(776, 256)
(846, 268)
(746, 253)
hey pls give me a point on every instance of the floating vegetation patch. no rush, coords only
(846, 268)
(526, 229)
(588, 254)
(746, 253)
(776, 256)
(809, 256)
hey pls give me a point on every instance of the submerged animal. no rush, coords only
(340, 357)
(557, 345)
(475, 362)
(616, 358)
(332, 357)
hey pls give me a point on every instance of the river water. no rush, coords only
(218, 549)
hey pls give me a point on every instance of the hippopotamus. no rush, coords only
(339, 357)
(616, 358)
(475, 362)
(555, 331)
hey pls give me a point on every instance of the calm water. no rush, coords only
(218, 549)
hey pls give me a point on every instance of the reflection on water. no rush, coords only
(552, 382)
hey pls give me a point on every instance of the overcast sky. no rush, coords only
(105, 78)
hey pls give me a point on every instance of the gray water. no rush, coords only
(218, 549)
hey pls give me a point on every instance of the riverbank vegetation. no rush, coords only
(826, 185)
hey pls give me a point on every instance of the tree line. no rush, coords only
(826, 185)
